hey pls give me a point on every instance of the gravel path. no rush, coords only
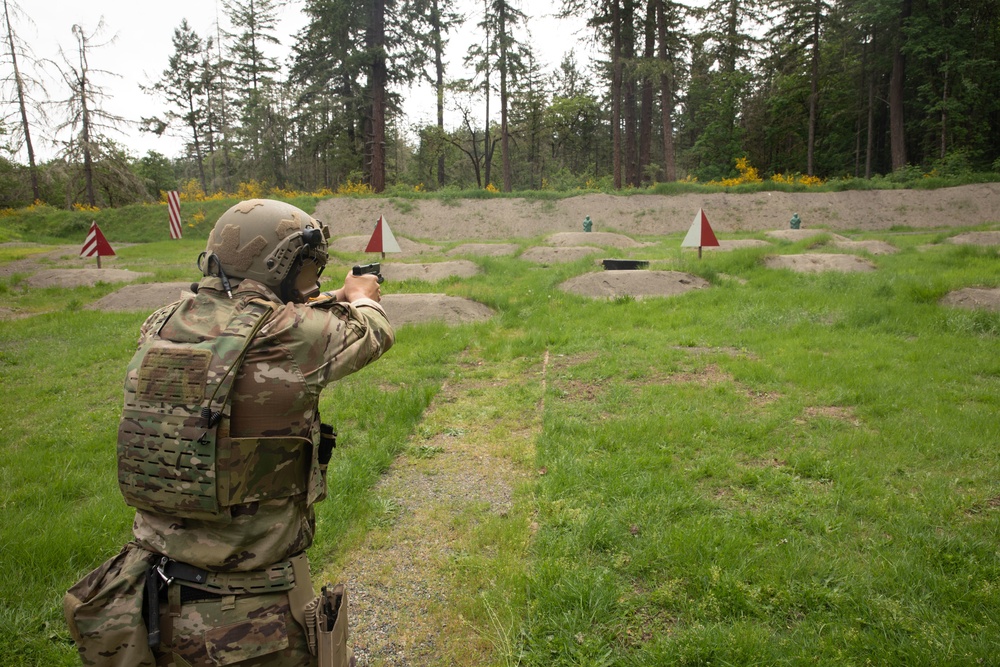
(459, 473)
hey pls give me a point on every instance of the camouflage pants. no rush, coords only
(245, 630)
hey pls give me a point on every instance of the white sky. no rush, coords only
(142, 33)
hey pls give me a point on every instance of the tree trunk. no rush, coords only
(666, 95)
(88, 162)
(897, 139)
(379, 81)
(646, 104)
(197, 144)
(944, 110)
(616, 94)
(631, 121)
(870, 140)
(813, 92)
(487, 153)
(438, 82)
(504, 132)
(32, 169)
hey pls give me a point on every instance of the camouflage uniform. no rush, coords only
(299, 350)
(242, 521)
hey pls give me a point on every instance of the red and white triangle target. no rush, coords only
(382, 239)
(700, 234)
(95, 245)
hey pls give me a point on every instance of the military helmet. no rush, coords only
(267, 241)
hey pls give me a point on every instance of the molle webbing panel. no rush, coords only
(168, 453)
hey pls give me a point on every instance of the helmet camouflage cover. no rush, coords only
(266, 240)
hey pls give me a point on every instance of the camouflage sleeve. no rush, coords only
(330, 343)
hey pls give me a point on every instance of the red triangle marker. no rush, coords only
(700, 234)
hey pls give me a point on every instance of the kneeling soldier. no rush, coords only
(222, 452)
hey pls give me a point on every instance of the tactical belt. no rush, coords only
(273, 579)
(276, 578)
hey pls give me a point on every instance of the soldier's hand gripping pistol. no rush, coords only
(374, 269)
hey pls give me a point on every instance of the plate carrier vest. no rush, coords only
(175, 455)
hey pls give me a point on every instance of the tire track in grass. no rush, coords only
(449, 527)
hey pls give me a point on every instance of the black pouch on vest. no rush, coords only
(327, 443)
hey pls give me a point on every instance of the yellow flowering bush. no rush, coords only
(748, 174)
(85, 207)
(250, 190)
(491, 188)
(793, 179)
(352, 188)
(191, 190)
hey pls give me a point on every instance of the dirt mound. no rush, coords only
(814, 262)
(415, 308)
(548, 255)
(976, 238)
(603, 239)
(871, 247)
(639, 215)
(638, 284)
(974, 298)
(727, 245)
(800, 234)
(433, 272)
(146, 297)
(484, 249)
(82, 277)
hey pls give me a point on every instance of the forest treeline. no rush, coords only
(818, 88)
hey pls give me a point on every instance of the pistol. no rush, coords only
(375, 269)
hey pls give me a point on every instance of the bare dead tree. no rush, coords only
(22, 85)
(86, 117)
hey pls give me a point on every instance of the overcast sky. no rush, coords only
(137, 43)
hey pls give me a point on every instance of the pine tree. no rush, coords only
(185, 87)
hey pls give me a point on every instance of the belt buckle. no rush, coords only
(163, 575)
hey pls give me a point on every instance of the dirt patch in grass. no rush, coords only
(431, 272)
(414, 308)
(146, 297)
(794, 235)
(547, 255)
(636, 284)
(603, 239)
(727, 245)
(815, 262)
(484, 249)
(82, 277)
(836, 412)
(728, 351)
(976, 238)
(871, 247)
(974, 298)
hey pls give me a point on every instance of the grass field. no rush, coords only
(781, 469)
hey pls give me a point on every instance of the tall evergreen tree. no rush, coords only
(253, 76)
(184, 85)
(797, 32)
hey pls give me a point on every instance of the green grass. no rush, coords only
(781, 469)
